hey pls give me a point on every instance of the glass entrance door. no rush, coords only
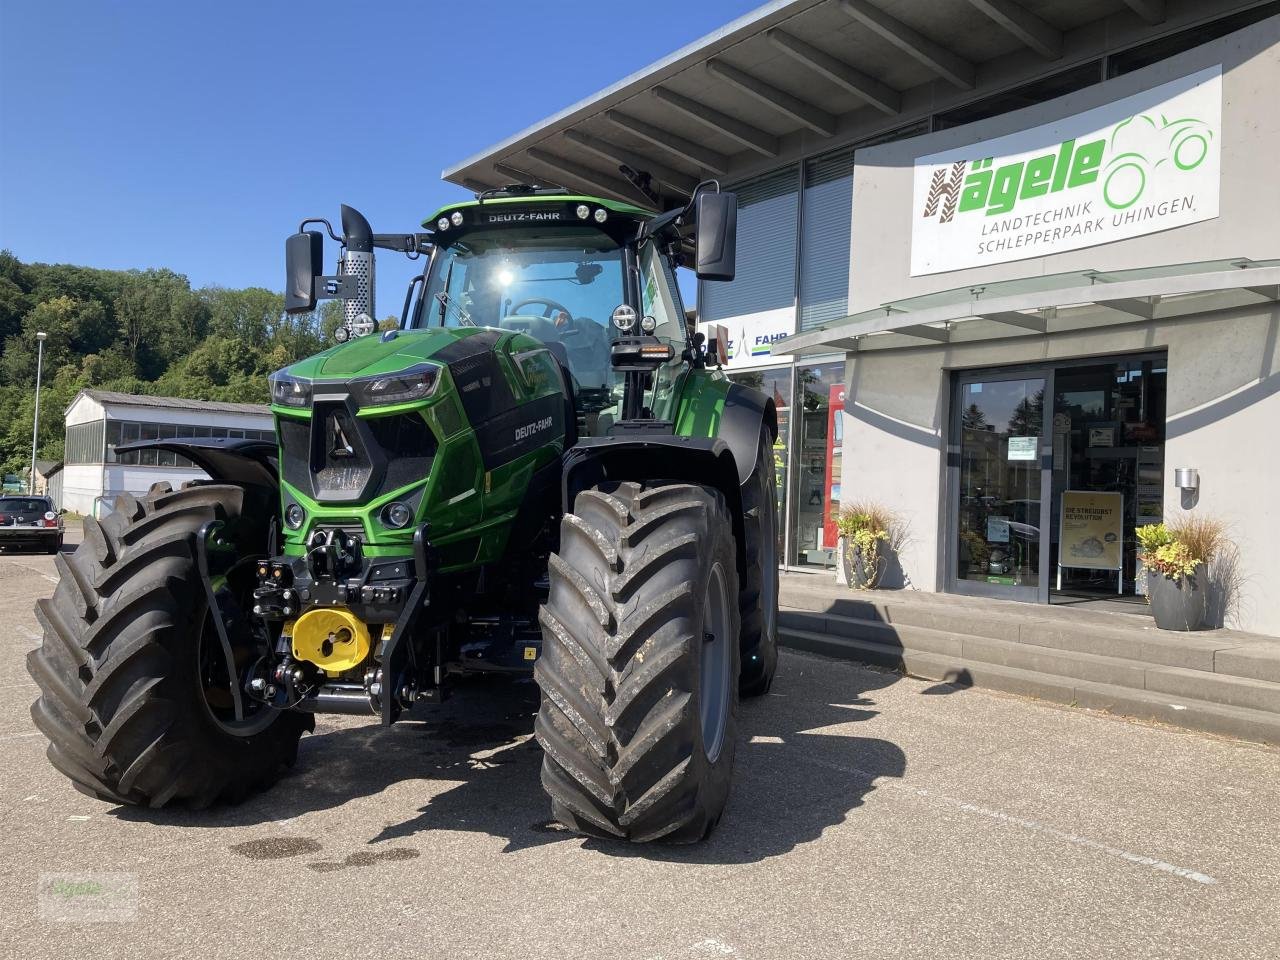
(1000, 481)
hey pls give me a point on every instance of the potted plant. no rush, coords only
(1177, 556)
(866, 530)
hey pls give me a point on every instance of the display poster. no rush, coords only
(1023, 448)
(835, 456)
(1092, 530)
(1134, 166)
(997, 529)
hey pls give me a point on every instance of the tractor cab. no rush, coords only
(569, 271)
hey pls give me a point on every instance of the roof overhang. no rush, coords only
(795, 77)
(1045, 305)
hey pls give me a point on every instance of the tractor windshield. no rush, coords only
(556, 284)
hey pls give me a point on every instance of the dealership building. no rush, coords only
(1009, 268)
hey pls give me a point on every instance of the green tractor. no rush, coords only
(542, 470)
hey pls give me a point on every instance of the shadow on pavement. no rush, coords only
(791, 779)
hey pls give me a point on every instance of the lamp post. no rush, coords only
(35, 426)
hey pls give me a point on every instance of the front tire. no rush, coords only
(640, 661)
(124, 667)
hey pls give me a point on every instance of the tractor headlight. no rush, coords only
(583, 211)
(443, 223)
(456, 218)
(416, 383)
(294, 516)
(287, 391)
(601, 215)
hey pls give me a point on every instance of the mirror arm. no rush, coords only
(327, 225)
(408, 243)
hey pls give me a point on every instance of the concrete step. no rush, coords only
(1219, 718)
(1221, 653)
(966, 649)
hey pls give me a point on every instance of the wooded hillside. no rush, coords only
(137, 331)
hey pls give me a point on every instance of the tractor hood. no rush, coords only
(374, 355)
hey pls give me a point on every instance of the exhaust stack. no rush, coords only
(357, 262)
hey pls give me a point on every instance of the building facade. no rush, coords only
(98, 421)
(1007, 269)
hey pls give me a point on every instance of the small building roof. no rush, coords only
(48, 467)
(175, 403)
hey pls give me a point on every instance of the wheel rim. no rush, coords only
(713, 684)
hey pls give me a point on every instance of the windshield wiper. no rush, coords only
(447, 303)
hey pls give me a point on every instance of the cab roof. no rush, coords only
(613, 206)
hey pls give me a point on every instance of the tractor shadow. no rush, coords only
(792, 779)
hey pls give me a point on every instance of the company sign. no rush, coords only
(1139, 165)
(751, 337)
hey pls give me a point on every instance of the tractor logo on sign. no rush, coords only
(1138, 165)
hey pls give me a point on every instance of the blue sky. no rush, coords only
(195, 136)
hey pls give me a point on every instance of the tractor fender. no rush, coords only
(230, 459)
(746, 412)
(653, 455)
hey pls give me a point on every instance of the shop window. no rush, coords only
(815, 474)
(766, 251)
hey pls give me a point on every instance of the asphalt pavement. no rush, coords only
(871, 816)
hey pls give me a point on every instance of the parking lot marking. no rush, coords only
(1032, 826)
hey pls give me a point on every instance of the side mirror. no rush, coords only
(303, 263)
(717, 235)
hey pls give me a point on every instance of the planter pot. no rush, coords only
(856, 572)
(1177, 605)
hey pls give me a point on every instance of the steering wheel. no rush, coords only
(549, 306)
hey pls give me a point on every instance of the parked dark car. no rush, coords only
(29, 521)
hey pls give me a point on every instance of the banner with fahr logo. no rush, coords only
(1136, 166)
(751, 337)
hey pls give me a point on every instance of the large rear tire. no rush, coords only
(126, 669)
(758, 600)
(640, 662)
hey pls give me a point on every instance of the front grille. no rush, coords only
(408, 445)
(339, 458)
(340, 463)
(295, 452)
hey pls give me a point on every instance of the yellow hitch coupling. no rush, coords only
(335, 640)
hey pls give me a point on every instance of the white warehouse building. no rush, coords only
(100, 420)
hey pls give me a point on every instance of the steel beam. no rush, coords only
(936, 57)
(515, 175)
(881, 96)
(1152, 11)
(816, 119)
(1025, 25)
(750, 137)
(698, 155)
(940, 334)
(680, 182)
(1015, 319)
(592, 178)
(1131, 305)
